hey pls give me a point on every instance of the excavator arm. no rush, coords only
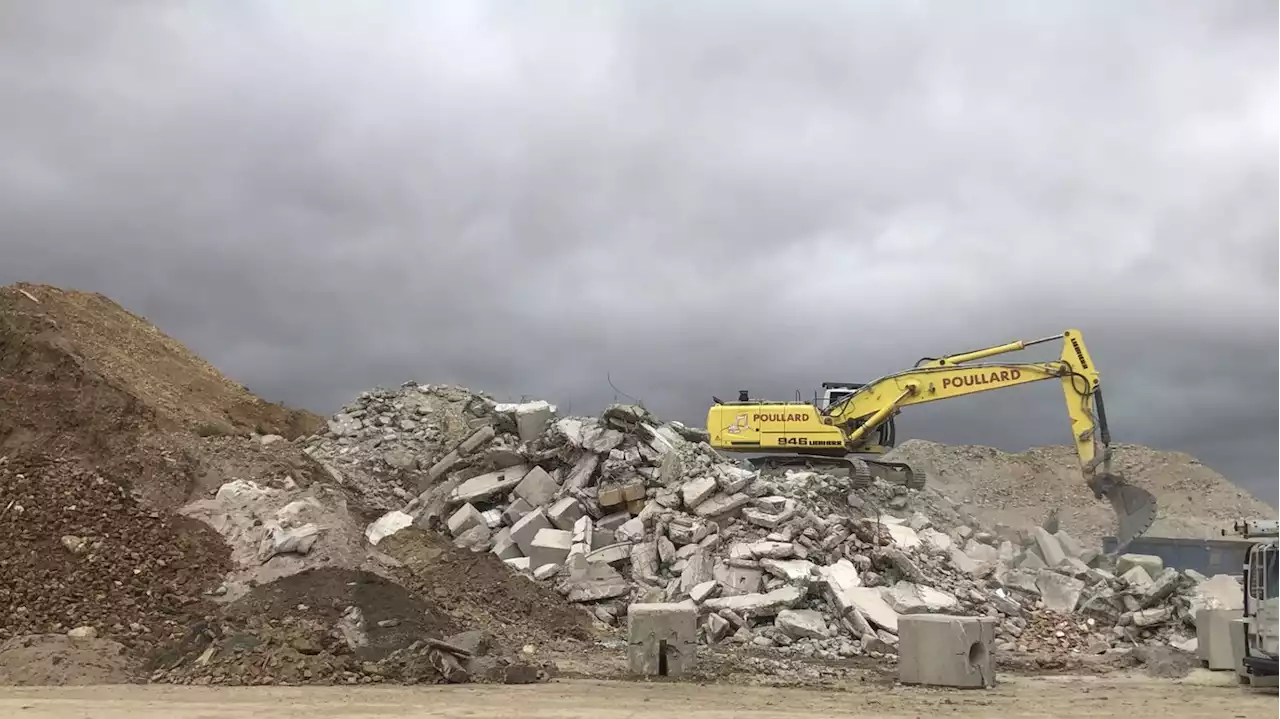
(933, 379)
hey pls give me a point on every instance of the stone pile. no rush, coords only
(624, 508)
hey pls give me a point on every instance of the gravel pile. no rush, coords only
(81, 553)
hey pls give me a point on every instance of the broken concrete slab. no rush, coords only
(739, 580)
(698, 569)
(661, 638)
(697, 491)
(1050, 550)
(1070, 546)
(1136, 577)
(611, 554)
(1059, 592)
(757, 605)
(793, 571)
(489, 485)
(704, 591)
(721, 504)
(910, 598)
(903, 536)
(593, 583)
(802, 624)
(870, 603)
(935, 540)
(949, 651)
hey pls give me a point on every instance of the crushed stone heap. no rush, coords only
(625, 508)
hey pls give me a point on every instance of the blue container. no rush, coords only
(1207, 556)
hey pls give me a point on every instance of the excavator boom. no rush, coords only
(854, 422)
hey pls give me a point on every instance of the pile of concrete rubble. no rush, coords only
(624, 508)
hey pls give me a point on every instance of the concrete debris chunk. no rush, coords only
(870, 603)
(489, 485)
(537, 487)
(1050, 550)
(1151, 564)
(698, 490)
(465, 518)
(550, 546)
(908, 598)
(903, 536)
(564, 513)
(1059, 593)
(793, 571)
(757, 605)
(721, 504)
(802, 624)
(524, 531)
(947, 651)
(387, 525)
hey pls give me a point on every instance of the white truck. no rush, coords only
(1255, 658)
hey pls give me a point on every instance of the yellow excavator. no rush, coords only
(858, 419)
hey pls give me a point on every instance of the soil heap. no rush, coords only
(1020, 490)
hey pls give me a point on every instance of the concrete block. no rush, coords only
(1239, 637)
(532, 419)
(537, 487)
(443, 465)
(524, 531)
(516, 510)
(1149, 562)
(520, 564)
(564, 513)
(1213, 637)
(636, 506)
(1050, 549)
(633, 491)
(504, 546)
(948, 651)
(610, 495)
(661, 639)
(550, 546)
(465, 518)
(602, 538)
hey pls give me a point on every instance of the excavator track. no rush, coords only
(860, 472)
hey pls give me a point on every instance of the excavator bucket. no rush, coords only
(1134, 506)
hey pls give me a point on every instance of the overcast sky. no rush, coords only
(689, 197)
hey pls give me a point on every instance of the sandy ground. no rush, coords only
(1201, 695)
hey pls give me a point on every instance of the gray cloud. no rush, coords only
(690, 198)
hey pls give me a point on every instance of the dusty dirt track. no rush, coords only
(1201, 695)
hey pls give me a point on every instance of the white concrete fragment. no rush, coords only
(387, 525)
(537, 487)
(903, 536)
(1050, 550)
(1059, 593)
(697, 491)
(792, 571)
(757, 605)
(870, 604)
(934, 539)
(910, 598)
(466, 517)
(802, 624)
(1152, 564)
(564, 513)
(550, 546)
(524, 531)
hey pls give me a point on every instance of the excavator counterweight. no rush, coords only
(853, 420)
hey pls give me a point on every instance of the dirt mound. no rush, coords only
(81, 375)
(393, 616)
(480, 591)
(1020, 490)
(327, 626)
(58, 660)
(80, 550)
